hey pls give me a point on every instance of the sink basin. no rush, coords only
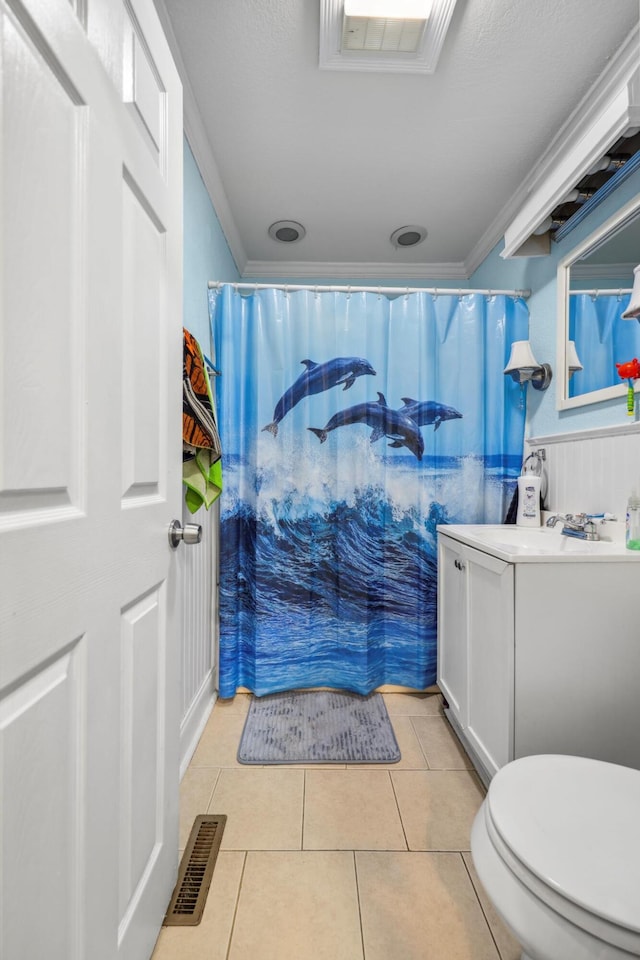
(537, 537)
(532, 544)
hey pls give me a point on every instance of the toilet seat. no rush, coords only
(540, 812)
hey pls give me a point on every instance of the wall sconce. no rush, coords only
(633, 310)
(573, 360)
(524, 368)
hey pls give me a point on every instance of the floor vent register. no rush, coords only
(196, 870)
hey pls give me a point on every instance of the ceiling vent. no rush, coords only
(382, 34)
(402, 36)
(286, 231)
(408, 236)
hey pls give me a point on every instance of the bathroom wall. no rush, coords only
(206, 257)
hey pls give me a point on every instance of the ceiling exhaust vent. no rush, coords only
(382, 34)
(400, 36)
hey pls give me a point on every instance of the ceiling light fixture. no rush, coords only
(408, 236)
(286, 231)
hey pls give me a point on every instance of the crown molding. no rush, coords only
(611, 106)
(377, 271)
(200, 146)
(603, 271)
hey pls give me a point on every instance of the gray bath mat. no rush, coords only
(318, 726)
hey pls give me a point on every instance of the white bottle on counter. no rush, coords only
(528, 514)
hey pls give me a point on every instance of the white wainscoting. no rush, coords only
(199, 575)
(591, 471)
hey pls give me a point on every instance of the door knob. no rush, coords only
(190, 533)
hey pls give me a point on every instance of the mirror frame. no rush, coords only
(615, 223)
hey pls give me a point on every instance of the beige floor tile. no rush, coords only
(440, 745)
(411, 755)
(263, 807)
(508, 946)
(351, 809)
(218, 745)
(195, 792)
(413, 704)
(420, 906)
(209, 940)
(298, 906)
(437, 807)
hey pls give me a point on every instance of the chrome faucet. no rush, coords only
(579, 525)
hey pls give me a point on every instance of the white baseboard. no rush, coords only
(196, 720)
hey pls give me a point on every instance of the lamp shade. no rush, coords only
(573, 360)
(633, 310)
(522, 358)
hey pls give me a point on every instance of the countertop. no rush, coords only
(542, 544)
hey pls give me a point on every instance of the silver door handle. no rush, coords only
(190, 533)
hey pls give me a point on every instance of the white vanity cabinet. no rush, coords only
(538, 653)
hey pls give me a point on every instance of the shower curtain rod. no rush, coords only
(290, 287)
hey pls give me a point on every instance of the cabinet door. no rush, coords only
(490, 618)
(452, 626)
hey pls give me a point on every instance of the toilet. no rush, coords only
(556, 844)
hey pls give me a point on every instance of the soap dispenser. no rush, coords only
(529, 486)
(528, 514)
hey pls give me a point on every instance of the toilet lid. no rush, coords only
(575, 824)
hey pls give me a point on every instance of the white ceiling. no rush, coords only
(353, 156)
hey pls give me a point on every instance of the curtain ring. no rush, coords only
(348, 293)
(379, 294)
(406, 294)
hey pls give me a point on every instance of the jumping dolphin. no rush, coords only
(385, 422)
(428, 411)
(316, 378)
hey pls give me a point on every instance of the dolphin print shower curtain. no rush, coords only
(352, 424)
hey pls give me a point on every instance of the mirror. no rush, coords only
(594, 287)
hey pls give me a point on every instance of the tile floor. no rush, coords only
(340, 862)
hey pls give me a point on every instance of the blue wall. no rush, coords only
(206, 253)
(539, 275)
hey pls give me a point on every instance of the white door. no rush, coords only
(90, 458)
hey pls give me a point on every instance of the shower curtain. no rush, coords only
(352, 424)
(602, 339)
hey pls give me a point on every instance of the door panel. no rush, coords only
(143, 248)
(41, 729)
(43, 120)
